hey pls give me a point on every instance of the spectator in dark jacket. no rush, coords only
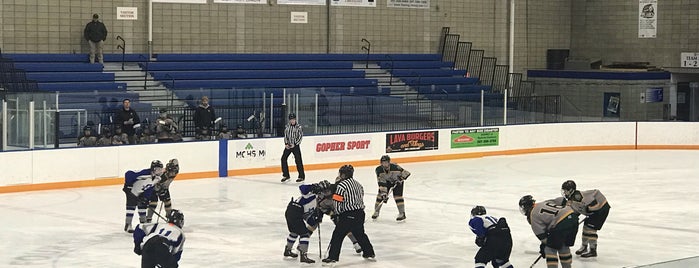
(127, 118)
(204, 117)
(95, 34)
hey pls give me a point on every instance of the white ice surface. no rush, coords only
(239, 221)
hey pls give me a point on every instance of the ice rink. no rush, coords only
(239, 221)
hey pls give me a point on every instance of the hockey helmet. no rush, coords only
(477, 211)
(347, 171)
(385, 158)
(526, 203)
(173, 167)
(568, 188)
(176, 217)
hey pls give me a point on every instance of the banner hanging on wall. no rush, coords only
(181, 1)
(409, 3)
(466, 138)
(647, 18)
(241, 1)
(302, 2)
(412, 141)
(354, 3)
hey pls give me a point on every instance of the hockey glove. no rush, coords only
(384, 197)
(480, 241)
(137, 249)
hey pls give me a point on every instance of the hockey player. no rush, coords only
(160, 244)
(592, 204)
(493, 237)
(132, 200)
(554, 225)
(302, 217)
(143, 189)
(390, 176)
(162, 188)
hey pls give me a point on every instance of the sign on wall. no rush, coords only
(302, 2)
(354, 3)
(647, 18)
(653, 94)
(466, 138)
(342, 146)
(408, 3)
(241, 1)
(689, 60)
(611, 104)
(299, 17)
(127, 13)
(181, 1)
(412, 141)
(252, 150)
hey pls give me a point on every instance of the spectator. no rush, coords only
(166, 128)
(87, 139)
(105, 137)
(204, 117)
(95, 34)
(127, 118)
(224, 134)
(119, 137)
(240, 132)
(147, 136)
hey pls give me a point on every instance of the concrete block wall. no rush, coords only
(609, 30)
(55, 26)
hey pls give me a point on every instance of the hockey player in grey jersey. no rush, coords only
(162, 189)
(592, 204)
(555, 226)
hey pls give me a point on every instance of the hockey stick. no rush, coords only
(159, 211)
(156, 213)
(320, 249)
(537, 260)
(390, 190)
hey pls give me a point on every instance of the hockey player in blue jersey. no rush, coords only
(138, 186)
(160, 244)
(493, 237)
(302, 218)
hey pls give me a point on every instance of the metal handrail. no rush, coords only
(145, 77)
(123, 50)
(390, 82)
(368, 51)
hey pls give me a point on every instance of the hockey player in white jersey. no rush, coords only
(493, 237)
(160, 244)
(555, 226)
(132, 199)
(144, 189)
(162, 188)
(592, 204)
(302, 218)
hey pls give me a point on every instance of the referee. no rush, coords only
(349, 208)
(293, 134)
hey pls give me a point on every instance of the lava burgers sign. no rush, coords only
(412, 141)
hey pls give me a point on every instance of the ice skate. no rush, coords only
(300, 179)
(289, 253)
(328, 262)
(582, 250)
(589, 254)
(371, 257)
(401, 217)
(357, 248)
(128, 228)
(284, 179)
(304, 258)
(375, 215)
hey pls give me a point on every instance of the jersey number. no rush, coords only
(166, 233)
(553, 211)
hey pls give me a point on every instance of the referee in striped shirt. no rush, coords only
(348, 199)
(292, 139)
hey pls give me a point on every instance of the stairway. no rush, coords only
(149, 90)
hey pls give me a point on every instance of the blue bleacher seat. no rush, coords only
(423, 81)
(84, 86)
(83, 58)
(296, 57)
(248, 65)
(59, 67)
(279, 83)
(415, 64)
(260, 74)
(46, 77)
(428, 72)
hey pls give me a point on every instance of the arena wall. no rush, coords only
(81, 167)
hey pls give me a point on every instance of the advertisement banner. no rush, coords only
(354, 3)
(127, 13)
(181, 1)
(241, 1)
(466, 138)
(251, 150)
(648, 18)
(302, 2)
(412, 141)
(342, 147)
(409, 3)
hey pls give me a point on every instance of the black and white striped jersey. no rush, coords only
(349, 196)
(293, 134)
